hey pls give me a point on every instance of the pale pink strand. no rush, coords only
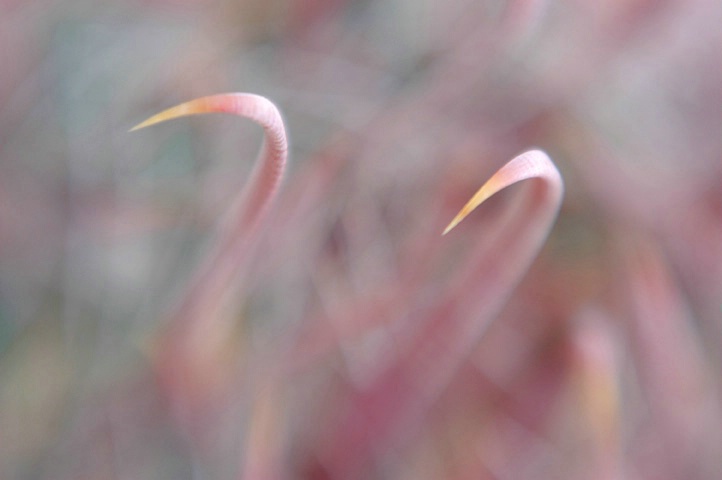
(509, 249)
(262, 459)
(197, 312)
(216, 275)
(385, 413)
(596, 391)
(677, 381)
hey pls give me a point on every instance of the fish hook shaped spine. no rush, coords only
(271, 163)
(422, 367)
(214, 278)
(528, 165)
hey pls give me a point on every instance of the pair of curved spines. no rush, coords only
(533, 164)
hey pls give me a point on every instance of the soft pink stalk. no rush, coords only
(189, 354)
(670, 366)
(386, 412)
(217, 274)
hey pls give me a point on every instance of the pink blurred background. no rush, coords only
(604, 362)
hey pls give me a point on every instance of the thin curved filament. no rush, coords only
(532, 164)
(214, 278)
(419, 371)
(271, 163)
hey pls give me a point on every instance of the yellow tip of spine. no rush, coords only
(193, 107)
(487, 190)
(451, 225)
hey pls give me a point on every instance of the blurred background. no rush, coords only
(604, 362)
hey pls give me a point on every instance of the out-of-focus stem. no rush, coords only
(187, 354)
(401, 395)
